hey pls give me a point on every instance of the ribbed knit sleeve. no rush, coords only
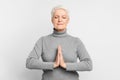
(85, 62)
(35, 61)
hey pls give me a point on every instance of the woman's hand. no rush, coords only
(57, 61)
(62, 63)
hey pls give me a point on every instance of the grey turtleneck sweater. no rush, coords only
(44, 54)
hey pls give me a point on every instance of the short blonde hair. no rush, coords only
(59, 7)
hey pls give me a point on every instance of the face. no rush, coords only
(60, 19)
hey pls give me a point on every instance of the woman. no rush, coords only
(56, 54)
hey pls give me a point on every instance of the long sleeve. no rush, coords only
(34, 60)
(85, 63)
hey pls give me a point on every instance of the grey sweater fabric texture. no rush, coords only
(43, 55)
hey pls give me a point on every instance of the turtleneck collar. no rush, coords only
(59, 33)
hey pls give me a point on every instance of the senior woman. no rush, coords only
(56, 53)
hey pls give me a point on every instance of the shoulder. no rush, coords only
(42, 38)
(77, 39)
(39, 40)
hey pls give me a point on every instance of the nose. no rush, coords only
(59, 19)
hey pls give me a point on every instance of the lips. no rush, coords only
(59, 24)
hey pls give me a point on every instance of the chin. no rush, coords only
(60, 27)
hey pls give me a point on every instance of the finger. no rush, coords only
(58, 58)
(58, 54)
(59, 51)
(58, 48)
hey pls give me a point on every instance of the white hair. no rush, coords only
(59, 7)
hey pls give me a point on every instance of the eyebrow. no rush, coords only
(58, 15)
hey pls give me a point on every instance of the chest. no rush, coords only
(50, 49)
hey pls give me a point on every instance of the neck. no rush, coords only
(59, 30)
(59, 33)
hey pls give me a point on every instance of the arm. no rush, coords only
(85, 63)
(34, 60)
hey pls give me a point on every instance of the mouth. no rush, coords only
(59, 24)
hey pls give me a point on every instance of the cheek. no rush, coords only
(66, 21)
(54, 21)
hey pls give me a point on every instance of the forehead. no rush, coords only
(60, 12)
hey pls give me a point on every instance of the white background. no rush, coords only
(95, 22)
